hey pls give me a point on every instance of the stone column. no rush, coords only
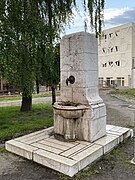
(79, 59)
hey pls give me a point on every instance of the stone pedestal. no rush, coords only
(79, 87)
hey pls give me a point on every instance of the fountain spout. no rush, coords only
(71, 80)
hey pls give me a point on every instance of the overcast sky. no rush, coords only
(117, 12)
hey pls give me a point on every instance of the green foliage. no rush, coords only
(96, 13)
(3, 150)
(29, 31)
(51, 67)
(89, 172)
(124, 92)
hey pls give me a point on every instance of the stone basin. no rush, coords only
(69, 110)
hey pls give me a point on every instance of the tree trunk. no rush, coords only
(26, 103)
(53, 94)
(37, 86)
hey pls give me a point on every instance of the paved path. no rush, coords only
(118, 111)
(18, 102)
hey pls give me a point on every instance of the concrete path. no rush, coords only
(18, 102)
(118, 109)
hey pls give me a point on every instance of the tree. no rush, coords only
(28, 32)
(51, 70)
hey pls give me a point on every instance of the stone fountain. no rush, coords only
(80, 113)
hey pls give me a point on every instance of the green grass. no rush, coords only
(3, 150)
(19, 97)
(130, 92)
(5, 98)
(14, 123)
(117, 157)
(89, 172)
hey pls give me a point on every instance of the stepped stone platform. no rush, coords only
(66, 157)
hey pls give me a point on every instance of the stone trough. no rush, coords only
(68, 121)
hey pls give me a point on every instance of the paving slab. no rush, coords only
(66, 157)
(20, 148)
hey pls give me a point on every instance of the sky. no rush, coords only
(116, 12)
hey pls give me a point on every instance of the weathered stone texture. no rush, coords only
(79, 58)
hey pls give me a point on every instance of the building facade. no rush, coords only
(116, 56)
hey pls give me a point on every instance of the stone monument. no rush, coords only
(80, 113)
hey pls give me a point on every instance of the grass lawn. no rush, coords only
(14, 123)
(19, 97)
(130, 92)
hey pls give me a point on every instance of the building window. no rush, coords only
(112, 49)
(108, 81)
(104, 50)
(116, 48)
(117, 63)
(110, 35)
(117, 33)
(133, 62)
(111, 63)
(112, 82)
(120, 81)
(105, 64)
(101, 79)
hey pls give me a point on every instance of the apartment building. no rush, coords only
(117, 56)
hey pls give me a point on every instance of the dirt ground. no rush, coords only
(114, 166)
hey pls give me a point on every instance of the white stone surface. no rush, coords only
(58, 123)
(21, 149)
(97, 128)
(73, 150)
(56, 162)
(77, 43)
(79, 58)
(133, 78)
(52, 144)
(88, 155)
(78, 61)
(66, 157)
(43, 133)
(122, 132)
(108, 127)
(41, 145)
(108, 142)
(79, 95)
(66, 144)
